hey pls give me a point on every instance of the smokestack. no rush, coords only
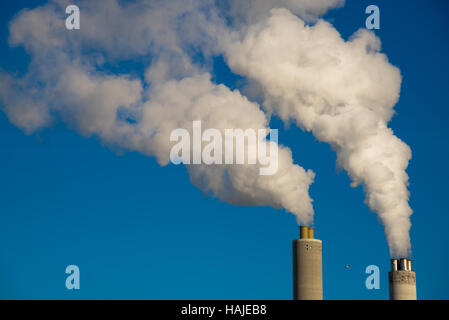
(402, 280)
(307, 266)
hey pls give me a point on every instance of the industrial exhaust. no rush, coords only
(402, 280)
(308, 271)
(307, 266)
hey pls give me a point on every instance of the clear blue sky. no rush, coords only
(141, 231)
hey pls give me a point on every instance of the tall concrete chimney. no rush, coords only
(402, 280)
(307, 266)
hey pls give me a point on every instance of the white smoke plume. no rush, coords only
(341, 91)
(68, 81)
(344, 93)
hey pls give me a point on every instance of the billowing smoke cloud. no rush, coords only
(341, 91)
(68, 81)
